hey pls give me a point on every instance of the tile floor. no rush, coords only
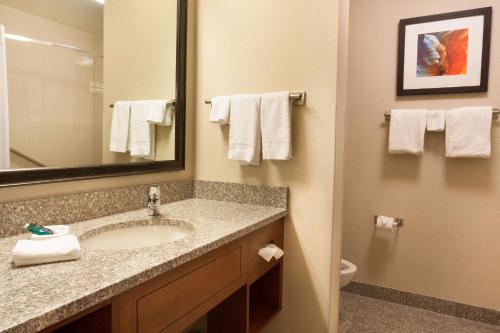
(359, 314)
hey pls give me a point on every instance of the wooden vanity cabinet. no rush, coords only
(237, 289)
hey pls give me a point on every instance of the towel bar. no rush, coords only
(387, 114)
(169, 103)
(298, 97)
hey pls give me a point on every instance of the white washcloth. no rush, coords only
(276, 126)
(468, 132)
(142, 133)
(436, 120)
(244, 130)
(120, 127)
(220, 110)
(407, 131)
(32, 252)
(159, 113)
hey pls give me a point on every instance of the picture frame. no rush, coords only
(445, 53)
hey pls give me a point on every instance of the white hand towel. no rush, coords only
(244, 129)
(220, 110)
(159, 113)
(32, 252)
(276, 126)
(407, 131)
(436, 120)
(468, 132)
(142, 133)
(120, 127)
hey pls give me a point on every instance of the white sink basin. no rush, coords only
(136, 234)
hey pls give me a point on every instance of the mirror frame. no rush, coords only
(49, 175)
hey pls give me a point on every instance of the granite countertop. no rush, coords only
(35, 297)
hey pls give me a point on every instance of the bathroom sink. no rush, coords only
(136, 234)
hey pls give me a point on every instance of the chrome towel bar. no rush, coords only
(298, 97)
(387, 114)
(169, 103)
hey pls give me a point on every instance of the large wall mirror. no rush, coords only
(78, 75)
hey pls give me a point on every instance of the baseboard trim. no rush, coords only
(428, 303)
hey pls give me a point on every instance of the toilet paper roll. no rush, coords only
(385, 222)
(271, 251)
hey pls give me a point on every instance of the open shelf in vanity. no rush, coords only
(236, 289)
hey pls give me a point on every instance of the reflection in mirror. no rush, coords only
(66, 62)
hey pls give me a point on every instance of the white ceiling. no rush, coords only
(86, 15)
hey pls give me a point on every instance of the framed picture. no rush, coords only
(445, 53)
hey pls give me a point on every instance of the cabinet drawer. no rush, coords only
(157, 310)
(257, 266)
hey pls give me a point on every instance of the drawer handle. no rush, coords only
(270, 251)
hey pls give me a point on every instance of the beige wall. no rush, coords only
(38, 191)
(139, 63)
(50, 102)
(449, 245)
(259, 46)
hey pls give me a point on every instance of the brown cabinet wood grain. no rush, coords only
(230, 281)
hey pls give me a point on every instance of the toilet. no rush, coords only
(347, 271)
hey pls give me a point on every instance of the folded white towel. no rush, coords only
(220, 110)
(32, 252)
(436, 120)
(276, 126)
(159, 113)
(407, 131)
(244, 130)
(142, 133)
(120, 127)
(468, 132)
(59, 230)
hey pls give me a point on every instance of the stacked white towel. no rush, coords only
(159, 113)
(276, 126)
(468, 132)
(220, 110)
(120, 127)
(436, 120)
(244, 130)
(32, 252)
(142, 132)
(407, 131)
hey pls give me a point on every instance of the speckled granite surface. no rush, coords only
(242, 193)
(359, 314)
(36, 297)
(65, 209)
(428, 303)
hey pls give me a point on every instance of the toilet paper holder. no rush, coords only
(398, 222)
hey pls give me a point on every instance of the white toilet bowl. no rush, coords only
(347, 271)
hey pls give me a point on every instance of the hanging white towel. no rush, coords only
(436, 120)
(468, 132)
(276, 126)
(120, 127)
(220, 110)
(142, 133)
(32, 252)
(244, 129)
(159, 113)
(4, 106)
(407, 131)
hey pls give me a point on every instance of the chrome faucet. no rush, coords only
(153, 200)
